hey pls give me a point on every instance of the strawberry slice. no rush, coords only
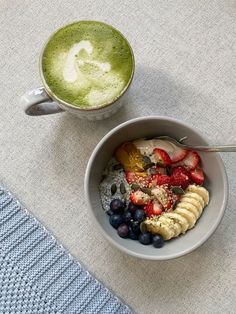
(162, 157)
(179, 171)
(139, 198)
(197, 176)
(190, 161)
(154, 208)
(159, 179)
(180, 177)
(133, 177)
(178, 154)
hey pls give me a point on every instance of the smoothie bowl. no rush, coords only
(149, 198)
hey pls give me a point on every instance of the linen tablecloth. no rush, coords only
(185, 68)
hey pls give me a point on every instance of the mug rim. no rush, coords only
(61, 101)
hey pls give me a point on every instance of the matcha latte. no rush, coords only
(87, 64)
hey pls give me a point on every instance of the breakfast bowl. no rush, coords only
(215, 183)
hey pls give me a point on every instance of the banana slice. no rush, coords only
(186, 214)
(193, 202)
(179, 219)
(172, 224)
(189, 205)
(161, 195)
(200, 191)
(196, 197)
(157, 227)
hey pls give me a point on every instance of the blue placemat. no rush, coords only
(38, 276)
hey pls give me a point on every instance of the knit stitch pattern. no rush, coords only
(37, 275)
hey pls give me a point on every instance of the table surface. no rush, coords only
(185, 68)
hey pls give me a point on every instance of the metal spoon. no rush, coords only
(213, 148)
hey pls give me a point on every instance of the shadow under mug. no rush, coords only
(42, 101)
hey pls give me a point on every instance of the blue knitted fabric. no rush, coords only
(37, 275)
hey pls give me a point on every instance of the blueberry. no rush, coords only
(135, 226)
(139, 215)
(109, 212)
(145, 238)
(132, 208)
(133, 235)
(116, 220)
(157, 241)
(123, 231)
(117, 205)
(127, 216)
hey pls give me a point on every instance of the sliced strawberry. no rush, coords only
(153, 209)
(149, 209)
(190, 161)
(177, 154)
(162, 157)
(139, 198)
(157, 208)
(159, 179)
(133, 177)
(197, 176)
(179, 171)
(180, 177)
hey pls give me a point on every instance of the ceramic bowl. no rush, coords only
(216, 183)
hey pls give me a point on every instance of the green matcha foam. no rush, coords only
(87, 64)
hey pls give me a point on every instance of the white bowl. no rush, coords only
(216, 183)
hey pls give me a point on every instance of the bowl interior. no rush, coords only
(216, 183)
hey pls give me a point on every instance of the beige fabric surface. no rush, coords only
(185, 68)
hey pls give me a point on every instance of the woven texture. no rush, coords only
(38, 276)
(186, 69)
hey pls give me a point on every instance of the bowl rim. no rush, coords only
(106, 235)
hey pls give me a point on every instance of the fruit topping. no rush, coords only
(139, 215)
(157, 241)
(190, 162)
(162, 195)
(197, 176)
(139, 198)
(145, 238)
(177, 154)
(159, 179)
(132, 208)
(116, 220)
(132, 235)
(154, 208)
(180, 177)
(117, 206)
(130, 157)
(161, 157)
(135, 226)
(127, 216)
(140, 179)
(123, 231)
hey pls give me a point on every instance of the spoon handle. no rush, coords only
(216, 148)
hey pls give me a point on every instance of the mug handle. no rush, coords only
(37, 102)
